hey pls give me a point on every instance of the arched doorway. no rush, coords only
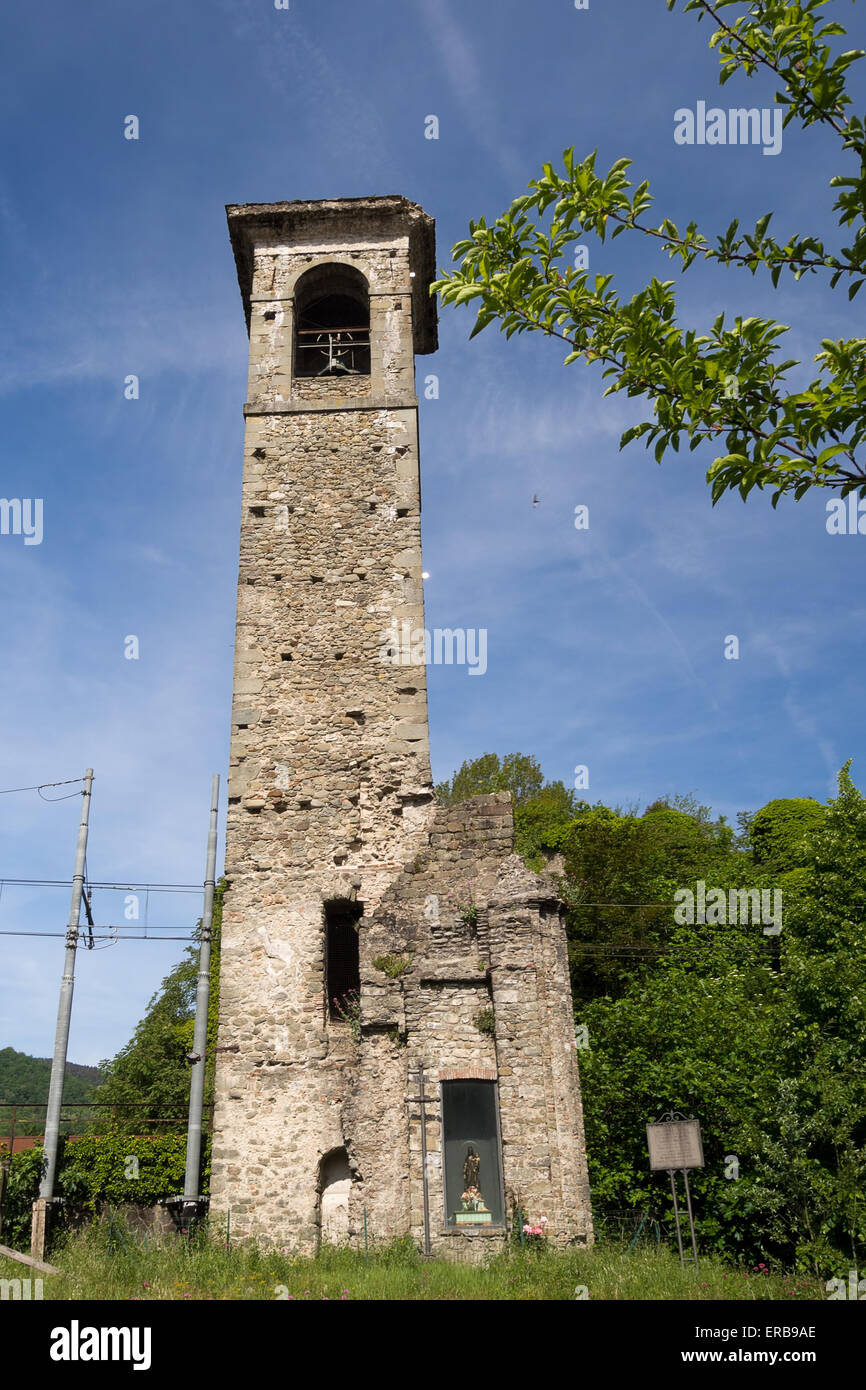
(335, 1183)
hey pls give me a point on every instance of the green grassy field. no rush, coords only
(96, 1265)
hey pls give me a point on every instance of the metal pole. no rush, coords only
(5, 1162)
(202, 997)
(64, 1009)
(639, 1229)
(366, 1244)
(424, 1158)
(677, 1215)
(691, 1218)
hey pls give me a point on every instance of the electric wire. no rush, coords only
(8, 791)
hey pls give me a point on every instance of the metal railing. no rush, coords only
(342, 351)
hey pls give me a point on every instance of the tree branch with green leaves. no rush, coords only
(727, 385)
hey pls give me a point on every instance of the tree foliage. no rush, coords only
(515, 773)
(147, 1083)
(760, 1036)
(24, 1078)
(728, 381)
(779, 831)
(94, 1172)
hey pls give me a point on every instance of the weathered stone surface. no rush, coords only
(331, 798)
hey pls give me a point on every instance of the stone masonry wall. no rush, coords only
(330, 798)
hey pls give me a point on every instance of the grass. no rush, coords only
(96, 1266)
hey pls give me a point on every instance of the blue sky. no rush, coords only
(605, 647)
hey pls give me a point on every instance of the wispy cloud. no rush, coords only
(471, 92)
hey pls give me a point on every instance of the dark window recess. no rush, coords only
(342, 968)
(332, 323)
(473, 1170)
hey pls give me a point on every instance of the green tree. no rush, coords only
(515, 773)
(24, 1078)
(762, 1038)
(719, 382)
(539, 819)
(779, 832)
(676, 1040)
(620, 875)
(540, 808)
(147, 1084)
(821, 1039)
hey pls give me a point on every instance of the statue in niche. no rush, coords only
(474, 1209)
(471, 1167)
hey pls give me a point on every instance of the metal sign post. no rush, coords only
(675, 1145)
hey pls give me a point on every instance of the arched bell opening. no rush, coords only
(332, 323)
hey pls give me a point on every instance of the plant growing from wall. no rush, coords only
(467, 912)
(393, 966)
(485, 1021)
(348, 1010)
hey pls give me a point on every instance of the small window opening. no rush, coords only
(342, 963)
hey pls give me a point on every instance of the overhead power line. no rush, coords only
(104, 936)
(116, 887)
(40, 787)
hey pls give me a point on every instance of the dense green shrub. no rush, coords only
(95, 1171)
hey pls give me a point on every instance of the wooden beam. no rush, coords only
(43, 1268)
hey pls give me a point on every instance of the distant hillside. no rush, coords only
(24, 1079)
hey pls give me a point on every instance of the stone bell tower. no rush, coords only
(366, 931)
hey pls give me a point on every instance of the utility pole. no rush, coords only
(61, 1039)
(202, 999)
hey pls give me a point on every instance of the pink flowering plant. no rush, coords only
(347, 1008)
